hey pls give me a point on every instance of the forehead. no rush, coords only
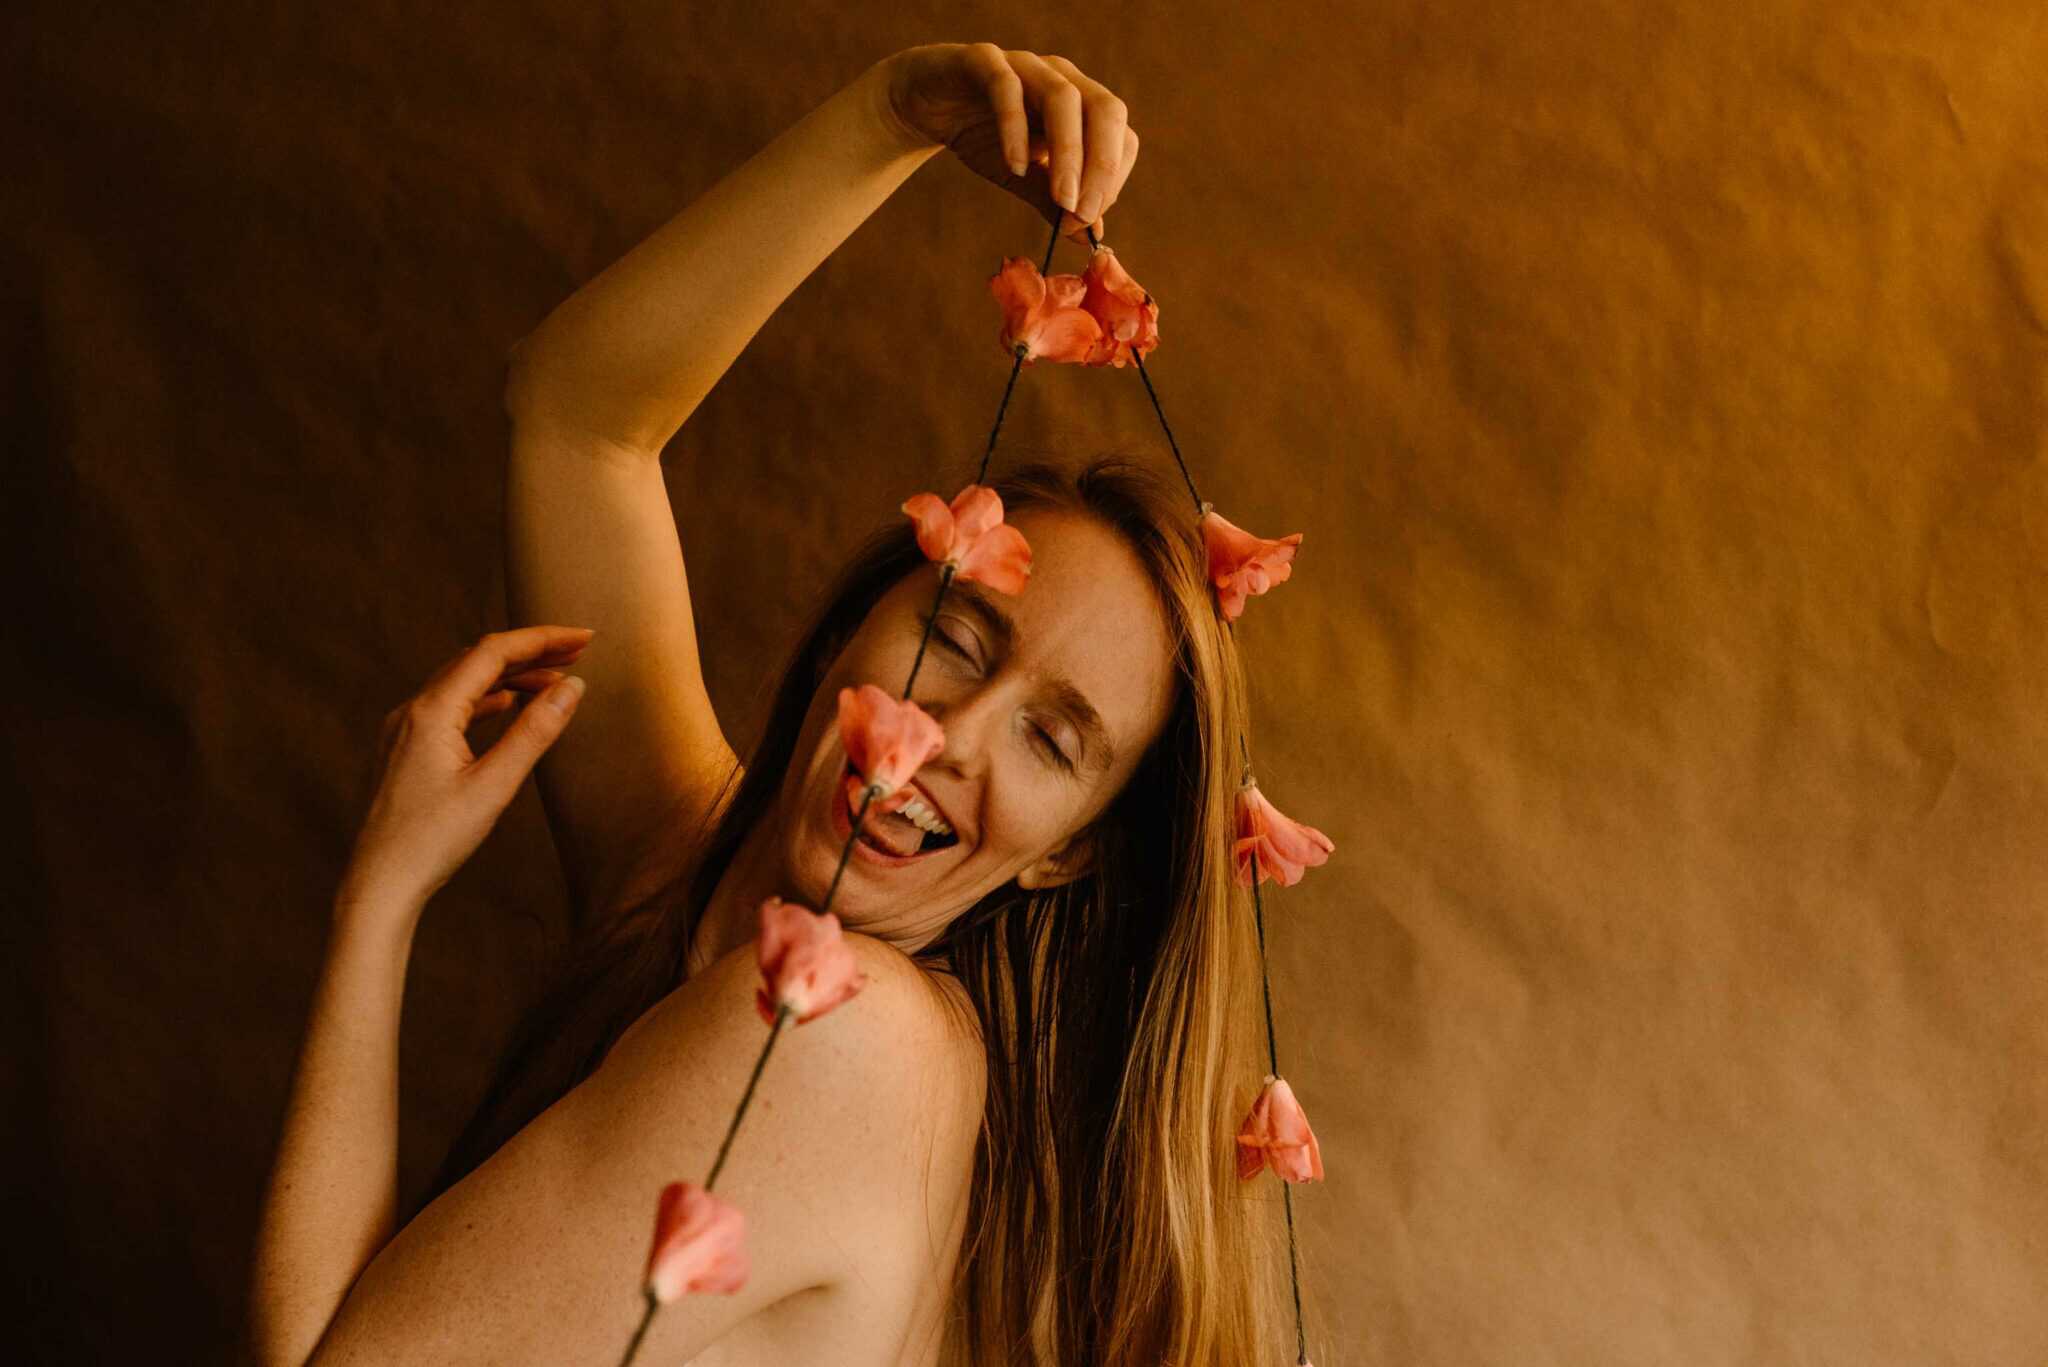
(1089, 613)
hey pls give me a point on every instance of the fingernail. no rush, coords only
(1068, 185)
(1017, 166)
(1091, 207)
(563, 696)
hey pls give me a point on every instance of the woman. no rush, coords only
(1015, 1145)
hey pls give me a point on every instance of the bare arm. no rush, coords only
(630, 355)
(332, 1199)
(594, 394)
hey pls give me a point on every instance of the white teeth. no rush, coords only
(924, 818)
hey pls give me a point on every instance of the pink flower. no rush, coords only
(1276, 1135)
(1241, 564)
(886, 738)
(700, 1244)
(806, 964)
(970, 535)
(1284, 846)
(1128, 315)
(1043, 313)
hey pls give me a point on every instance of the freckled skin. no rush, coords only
(1088, 611)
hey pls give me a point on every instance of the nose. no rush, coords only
(966, 718)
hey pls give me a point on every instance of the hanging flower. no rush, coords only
(887, 739)
(1043, 313)
(1128, 315)
(699, 1244)
(1284, 846)
(806, 964)
(1241, 564)
(971, 536)
(1276, 1134)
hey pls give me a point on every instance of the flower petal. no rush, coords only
(969, 534)
(1064, 292)
(1000, 559)
(699, 1244)
(935, 527)
(1276, 1134)
(1285, 847)
(1020, 291)
(805, 962)
(1241, 564)
(975, 509)
(1065, 335)
(1129, 316)
(886, 738)
(1042, 313)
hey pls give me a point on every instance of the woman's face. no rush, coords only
(1025, 766)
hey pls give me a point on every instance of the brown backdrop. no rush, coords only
(1661, 390)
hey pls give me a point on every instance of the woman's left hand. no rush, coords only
(436, 800)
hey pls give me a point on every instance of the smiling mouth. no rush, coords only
(890, 835)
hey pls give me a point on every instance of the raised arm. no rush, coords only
(598, 389)
(594, 395)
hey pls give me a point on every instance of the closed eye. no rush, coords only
(1059, 755)
(925, 620)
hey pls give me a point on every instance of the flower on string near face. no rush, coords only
(1241, 564)
(1284, 847)
(886, 739)
(699, 1245)
(1276, 1134)
(806, 964)
(969, 536)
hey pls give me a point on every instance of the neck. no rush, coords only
(732, 916)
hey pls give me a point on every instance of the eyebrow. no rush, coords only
(1101, 749)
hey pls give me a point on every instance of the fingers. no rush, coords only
(504, 766)
(464, 680)
(1102, 153)
(1123, 168)
(511, 690)
(1006, 97)
(1059, 109)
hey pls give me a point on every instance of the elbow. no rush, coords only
(542, 397)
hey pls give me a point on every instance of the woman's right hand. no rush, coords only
(999, 110)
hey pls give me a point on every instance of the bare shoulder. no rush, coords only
(866, 1116)
(900, 1060)
(850, 1172)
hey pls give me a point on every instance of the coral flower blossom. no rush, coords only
(806, 964)
(1276, 1135)
(1284, 846)
(700, 1244)
(1241, 564)
(887, 739)
(1128, 315)
(971, 536)
(1043, 313)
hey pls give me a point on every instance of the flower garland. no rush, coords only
(1101, 317)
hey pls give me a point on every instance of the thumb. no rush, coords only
(507, 763)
